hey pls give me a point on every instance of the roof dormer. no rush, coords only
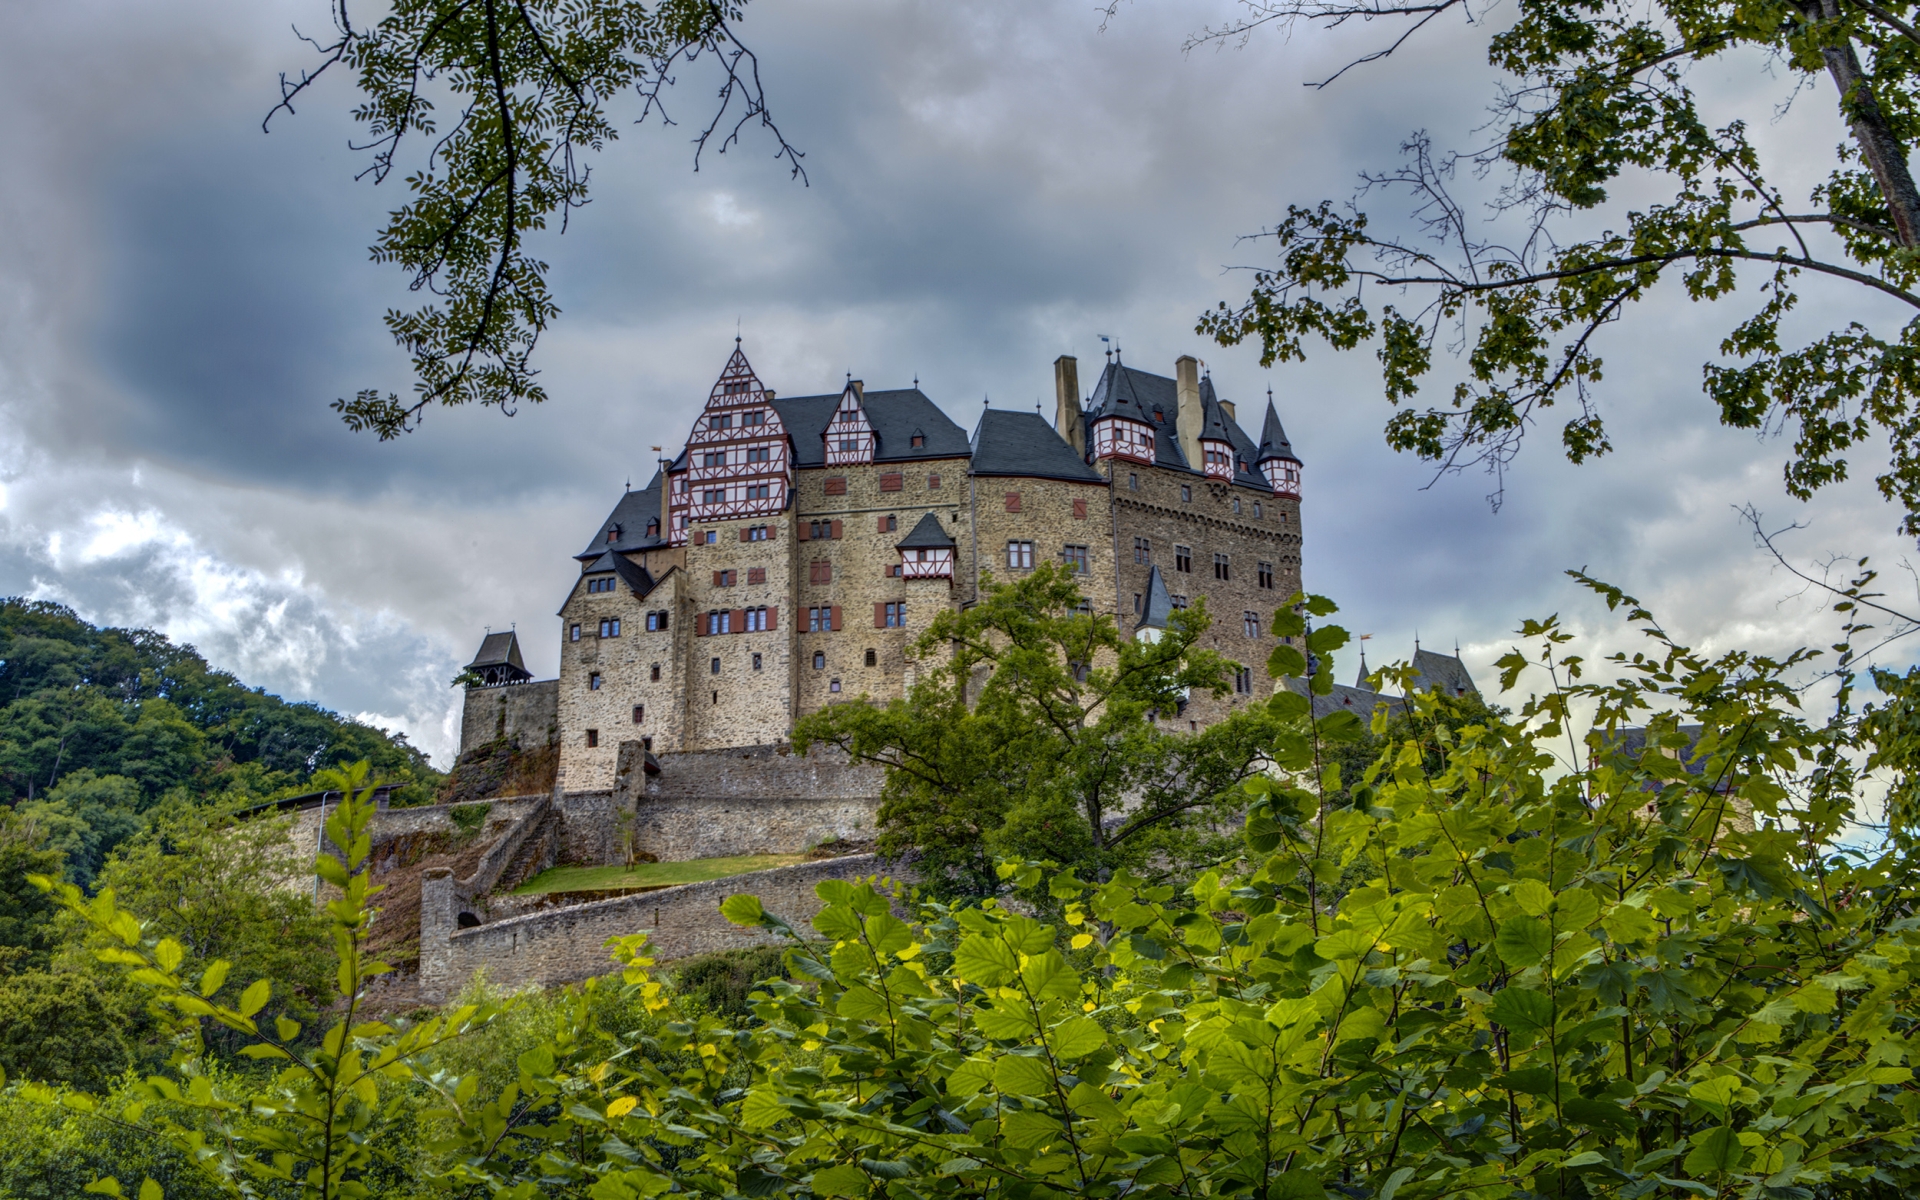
(849, 435)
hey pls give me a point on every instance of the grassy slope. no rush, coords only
(586, 879)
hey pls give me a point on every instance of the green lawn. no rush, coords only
(593, 879)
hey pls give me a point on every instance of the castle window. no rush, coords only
(720, 621)
(1075, 559)
(849, 445)
(646, 743)
(610, 628)
(720, 421)
(713, 667)
(889, 523)
(613, 535)
(818, 620)
(656, 621)
(712, 536)
(714, 496)
(1243, 680)
(1251, 623)
(1142, 550)
(1220, 567)
(760, 491)
(1236, 505)
(891, 482)
(1019, 556)
(1183, 558)
(756, 620)
(892, 571)
(1136, 602)
(756, 661)
(1186, 494)
(836, 485)
(1013, 501)
(872, 658)
(656, 672)
(1133, 482)
(918, 440)
(723, 579)
(593, 738)
(653, 528)
(639, 714)
(716, 458)
(833, 685)
(756, 574)
(820, 571)
(1256, 510)
(735, 388)
(1178, 601)
(593, 681)
(933, 483)
(894, 614)
(819, 659)
(1266, 574)
(680, 485)
(1079, 510)
(759, 454)
(573, 633)
(757, 533)
(919, 556)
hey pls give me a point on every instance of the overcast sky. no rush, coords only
(992, 185)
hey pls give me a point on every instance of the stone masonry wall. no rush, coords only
(739, 684)
(527, 710)
(568, 944)
(750, 800)
(624, 665)
(392, 823)
(855, 567)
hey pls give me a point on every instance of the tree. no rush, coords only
(530, 84)
(84, 818)
(26, 914)
(1033, 730)
(1594, 106)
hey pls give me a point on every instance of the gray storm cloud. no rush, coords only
(991, 185)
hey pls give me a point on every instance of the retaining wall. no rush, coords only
(531, 710)
(568, 944)
(748, 800)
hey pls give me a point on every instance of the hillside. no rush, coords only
(98, 726)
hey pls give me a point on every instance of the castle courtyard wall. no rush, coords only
(527, 711)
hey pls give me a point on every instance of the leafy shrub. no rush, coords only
(469, 819)
(721, 982)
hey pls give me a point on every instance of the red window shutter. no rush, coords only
(836, 616)
(1079, 510)
(1013, 501)
(883, 524)
(743, 533)
(933, 483)
(716, 579)
(699, 624)
(756, 574)
(739, 620)
(837, 485)
(805, 531)
(836, 531)
(773, 618)
(890, 483)
(773, 531)
(879, 614)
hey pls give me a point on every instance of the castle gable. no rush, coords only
(738, 462)
(897, 418)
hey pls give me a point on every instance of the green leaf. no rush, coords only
(1394, 1181)
(1534, 898)
(1289, 705)
(1343, 725)
(743, 909)
(1343, 944)
(1522, 1009)
(1022, 1076)
(862, 1003)
(149, 1190)
(1286, 663)
(969, 1078)
(1628, 925)
(1077, 1037)
(106, 1186)
(1295, 1185)
(1523, 941)
(839, 1181)
(985, 960)
(214, 976)
(1714, 1152)
(255, 997)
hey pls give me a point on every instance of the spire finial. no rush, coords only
(916, 381)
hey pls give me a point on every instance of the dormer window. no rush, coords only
(613, 535)
(653, 528)
(918, 440)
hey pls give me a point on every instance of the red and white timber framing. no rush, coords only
(1283, 476)
(1218, 457)
(922, 563)
(1117, 437)
(849, 437)
(738, 462)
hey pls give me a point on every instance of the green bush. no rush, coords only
(721, 982)
(67, 1028)
(48, 1152)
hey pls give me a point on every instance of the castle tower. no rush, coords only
(736, 463)
(1277, 460)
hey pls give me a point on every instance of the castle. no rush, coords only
(795, 547)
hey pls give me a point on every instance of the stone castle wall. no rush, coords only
(568, 944)
(529, 711)
(749, 800)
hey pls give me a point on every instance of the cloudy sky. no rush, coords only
(992, 185)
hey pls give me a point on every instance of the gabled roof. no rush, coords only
(1273, 438)
(1159, 607)
(1155, 400)
(927, 534)
(895, 416)
(1444, 673)
(1022, 443)
(1356, 700)
(497, 650)
(636, 577)
(631, 514)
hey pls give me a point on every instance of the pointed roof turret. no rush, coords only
(1273, 438)
(498, 662)
(927, 534)
(1159, 607)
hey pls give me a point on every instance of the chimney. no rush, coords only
(1186, 377)
(1066, 401)
(859, 387)
(1226, 406)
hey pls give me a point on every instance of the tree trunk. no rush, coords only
(1884, 154)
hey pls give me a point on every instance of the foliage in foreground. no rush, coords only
(1650, 971)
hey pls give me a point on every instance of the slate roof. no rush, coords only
(1273, 438)
(895, 416)
(1358, 701)
(631, 514)
(498, 649)
(1444, 673)
(634, 576)
(1159, 607)
(1023, 443)
(1155, 400)
(927, 534)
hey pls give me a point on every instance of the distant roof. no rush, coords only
(896, 416)
(927, 534)
(630, 517)
(634, 576)
(1273, 439)
(496, 650)
(1022, 443)
(1155, 399)
(1159, 607)
(1359, 701)
(1443, 673)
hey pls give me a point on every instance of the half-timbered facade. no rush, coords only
(787, 557)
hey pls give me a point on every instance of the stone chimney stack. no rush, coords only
(1066, 402)
(1186, 378)
(859, 387)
